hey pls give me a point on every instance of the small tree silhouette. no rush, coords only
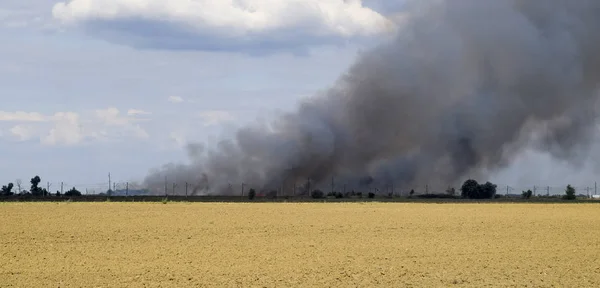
(7, 190)
(317, 194)
(570, 193)
(251, 194)
(35, 189)
(73, 193)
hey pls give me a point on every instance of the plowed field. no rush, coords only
(299, 245)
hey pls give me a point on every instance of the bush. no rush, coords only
(73, 193)
(412, 192)
(339, 195)
(317, 194)
(488, 190)
(527, 194)
(473, 190)
(251, 194)
(7, 190)
(371, 195)
(570, 193)
(359, 194)
(470, 189)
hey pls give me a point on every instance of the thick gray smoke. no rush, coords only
(460, 91)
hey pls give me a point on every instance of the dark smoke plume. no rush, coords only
(461, 90)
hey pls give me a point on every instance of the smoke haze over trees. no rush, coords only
(460, 91)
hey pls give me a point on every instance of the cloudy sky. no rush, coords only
(97, 86)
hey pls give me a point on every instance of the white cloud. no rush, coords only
(215, 117)
(175, 99)
(23, 132)
(70, 128)
(135, 112)
(67, 130)
(228, 25)
(21, 116)
(112, 117)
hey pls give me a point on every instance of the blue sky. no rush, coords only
(89, 88)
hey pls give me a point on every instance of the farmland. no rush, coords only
(299, 244)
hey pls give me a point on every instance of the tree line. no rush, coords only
(470, 189)
(35, 190)
(473, 190)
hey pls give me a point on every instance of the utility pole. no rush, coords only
(534, 190)
(47, 187)
(186, 189)
(61, 188)
(588, 191)
(127, 189)
(595, 188)
(166, 186)
(294, 191)
(174, 186)
(332, 184)
(109, 183)
(548, 191)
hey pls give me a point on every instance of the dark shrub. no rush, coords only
(473, 190)
(251, 194)
(7, 190)
(570, 193)
(371, 195)
(359, 194)
(339, 195)
(488, 190)
(470, 189)
(412, 192)
(527, 194)
(73, 193)
(317, 194)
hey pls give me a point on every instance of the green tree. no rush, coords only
(527, 194)
(570, 193)
(35, 189)
(488, 190)
(317, 194)
(73, 193)
(473, 190)
(7, 190)
(470, 189)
